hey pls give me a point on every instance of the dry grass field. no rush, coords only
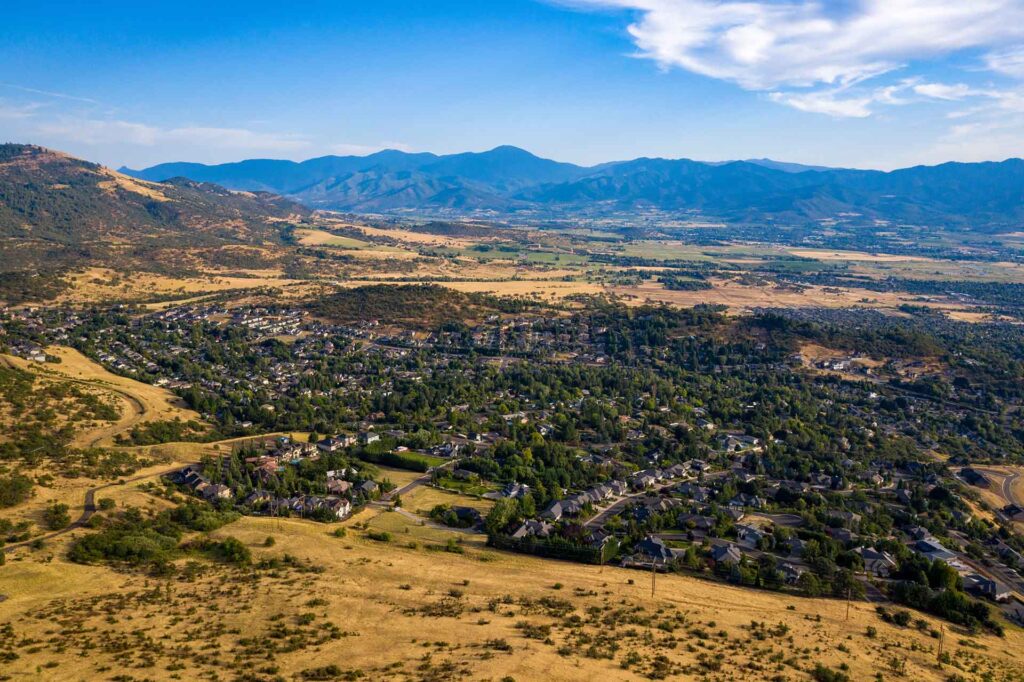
(1006, 487)
(824, 255)
(541, 289)
(405, 610)
(138, 402)
(424, 498)
(97, 285)
(742, 298)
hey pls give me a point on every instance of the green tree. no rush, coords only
(56, 516)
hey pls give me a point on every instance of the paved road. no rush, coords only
(789, 520)
(416, 483)
(599, 519)
(428, 523)
(1008, 489)
(90, 507)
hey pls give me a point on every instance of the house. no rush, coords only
(652, 550)
(980, 586)
(554, 512)
(340, 507)
(1013, 512)
(515, 490)
(791, 572)
(218, 491)
(445, 450)
(843, 534)
(740, 443)
(256, 498)
(796, 547)
(337, 487)
(676, 471)
(695, 492)
(618, 488)
(333, 444)
(367, 488)
(726, 554)
(532, 528)
(933, 549)
(974, 477)
(876, 562)
(696, 522)
(367, 437)
(705, 425)
(749, 536)
(745, 500)
(468, 515)
(846, 518)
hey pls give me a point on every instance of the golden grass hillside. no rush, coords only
(327, 605)
(137, 402)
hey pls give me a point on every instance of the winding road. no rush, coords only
(1008, 492)
(89, 508)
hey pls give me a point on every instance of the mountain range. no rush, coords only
(509, 180)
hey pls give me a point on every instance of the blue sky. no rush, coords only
(863, 83)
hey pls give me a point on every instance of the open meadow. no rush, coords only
(412, 606)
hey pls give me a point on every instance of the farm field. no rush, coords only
(744, 298)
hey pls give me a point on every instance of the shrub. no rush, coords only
(14, 490)
(229, 550)
(823, 674)
(56, 516)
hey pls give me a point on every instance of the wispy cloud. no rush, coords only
(91, 131)
(49, 93)
(819, 56)
(17, 111)
(1008, 61)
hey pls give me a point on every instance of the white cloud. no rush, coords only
(1009, 62)
(17, 111)
(986, 139)
(955, 92)
(816, 55)
(103, 132)
(763, 45)
(846, 102)
(826, 102)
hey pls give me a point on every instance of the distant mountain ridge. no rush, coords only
(510, 180)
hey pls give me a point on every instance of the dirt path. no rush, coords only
(140, 402)
(89, 508)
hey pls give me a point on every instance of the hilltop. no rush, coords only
(50, 201)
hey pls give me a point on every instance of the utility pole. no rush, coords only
(942, 636)
(654, 575)
(849, 591)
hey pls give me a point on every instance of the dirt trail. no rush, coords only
(139, 403)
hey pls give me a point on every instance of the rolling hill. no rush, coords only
(52, 197)
(984, 196)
